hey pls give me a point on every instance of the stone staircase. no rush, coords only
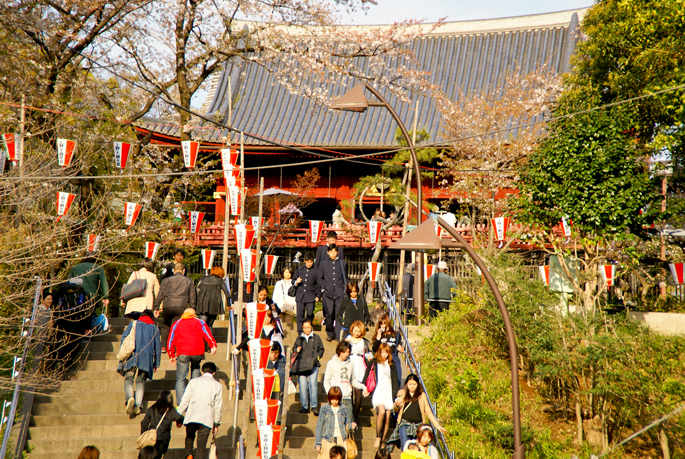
(89, 408)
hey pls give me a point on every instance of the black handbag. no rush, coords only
(292, 291)
(135, 289)
(302, 365)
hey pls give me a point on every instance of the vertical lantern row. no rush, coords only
(263, 380)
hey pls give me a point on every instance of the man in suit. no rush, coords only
(308, 288)
(333, 280)
(201, 406)
(322, 250)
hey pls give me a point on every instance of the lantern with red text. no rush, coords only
(259, 353)
(248, 260)
(66, 149)
(255, 313)
(270, 262)
(374, 232)
(229, 159)
(263, 383)
(266, 412)
(374, 271)
(608, 273)
(234, 199)
(677, 273)
(244, 236)
(132, 212)
(64, 201)
(269, 439)
(315, 228)
(208, 258)
(257, 222)
(567, 227)
(151, 249)
(93, 243)
(190, 150)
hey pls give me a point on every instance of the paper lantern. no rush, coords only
(255, 312)
(93, 243)
(677, 273)
(259, 353)
(132, 211)
(266, 412)
(608, 274)
(374, 271)
(374, 232)
(229, 159)
(315, 227)
(234, 199)
(428, 271)
(269, 439)
(263, 383)
(438, 230)
(208, 258)
(544, 274)
(151, 249)
(196, 220)
(121, 150)
(248, 260)
(66, 149)
(11, 145)
(566, 226)
(190, 150)
(244, 236)
(270, 262)
(257, 222)
(64, 201)
(499, 226)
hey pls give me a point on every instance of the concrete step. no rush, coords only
(130, 453)
(113, 443)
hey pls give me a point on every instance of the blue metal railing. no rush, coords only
(414, 365)
(18, 371)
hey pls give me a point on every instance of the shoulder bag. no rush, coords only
(149, 437)
(351, 446)
(129, 345)
(371, 380)
(288, 308)
(304, 364)
(135, 289)
(292, 290)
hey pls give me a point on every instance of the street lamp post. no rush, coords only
(354, 100)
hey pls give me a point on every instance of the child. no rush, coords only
(337, 452)
(164, 404)
(277, 362)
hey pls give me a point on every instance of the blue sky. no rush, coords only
(388, 11)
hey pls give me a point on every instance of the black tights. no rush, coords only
(357, 397)
(382, 423)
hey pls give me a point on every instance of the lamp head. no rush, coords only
(353, 100)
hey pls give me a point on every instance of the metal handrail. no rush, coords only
(18, 371)
(414, 364)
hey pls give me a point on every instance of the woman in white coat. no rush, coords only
(285, 302)
(137, 305)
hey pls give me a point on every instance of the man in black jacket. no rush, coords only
(178, 293)
(168, 271)
(306, 279)
(333, 279)
(322, 250)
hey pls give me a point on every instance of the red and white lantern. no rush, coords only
(428, 271)
(11, 145)
(151, 249)
(269, 439)
(64, 201)
(121, 150)
(66, 149)
(499, 226)
(132, 212)
(266, 412)
(566, 226)
(229, 159)
(374, 271)
(255, 313)
(263, 384)
(678, 272)
(93, 242)
(244, 236)
(208, 258)
(248, 260)
(196, 220)
(438, 230)
(374, 232)
(608, 274)
(234, 197)
(544, 274)
(190, 150)
(259, 353)
(315, 227)
(257, 222)
(270, 262)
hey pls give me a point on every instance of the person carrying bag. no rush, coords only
(149, 437)
(309, 348)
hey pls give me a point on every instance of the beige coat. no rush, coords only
(147, 301)
(424, 406)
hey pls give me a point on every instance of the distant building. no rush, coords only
(471, 56)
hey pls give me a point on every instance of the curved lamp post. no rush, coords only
(354, 100)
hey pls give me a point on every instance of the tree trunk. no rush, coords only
(579, 422)
(663, 439)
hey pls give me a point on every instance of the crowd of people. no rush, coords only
(175, 317)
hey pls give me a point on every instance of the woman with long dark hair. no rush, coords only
(412, 409)
(163, 407)
(386, 385)
(352, 308)
(209, 301)
(385, 333)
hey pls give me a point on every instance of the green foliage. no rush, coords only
(424, 155)
(614, 368)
